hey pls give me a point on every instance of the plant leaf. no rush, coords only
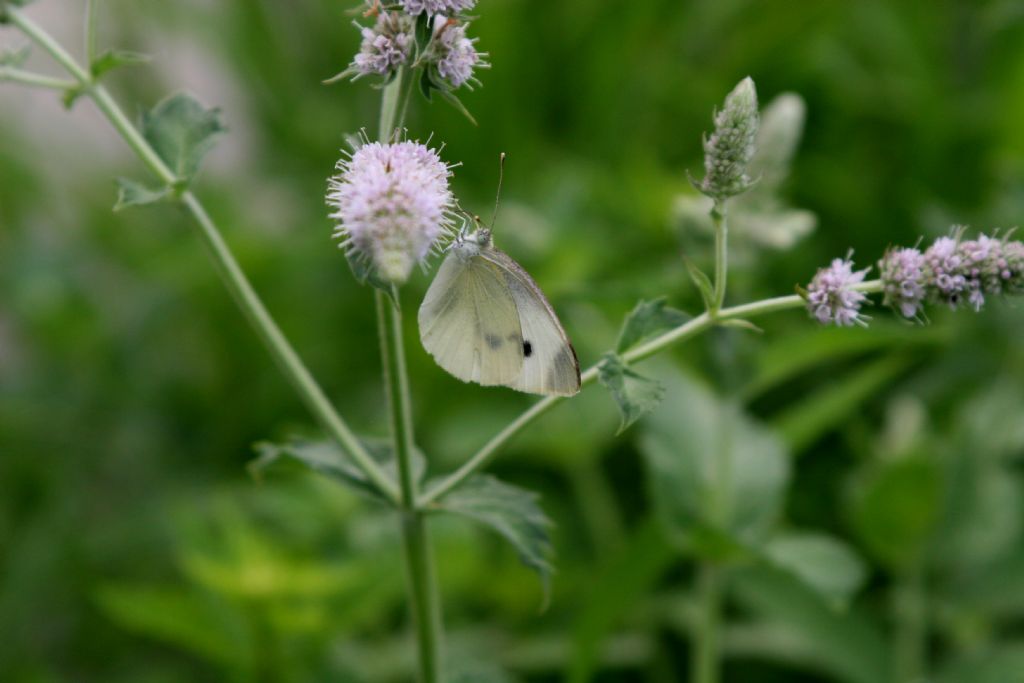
(132, 193)
(683, 444)
(511, 511)
(634, 394)
(894, 508)
(112, 59)
(424, 31)
(182, 131)
(701, 280)
(453, 100)
(647, 319)
(327, 457)
(822, 563)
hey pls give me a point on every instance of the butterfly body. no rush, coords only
(485, 320)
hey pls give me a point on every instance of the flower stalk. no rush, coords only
(417, 552)
(231, 273)
(720, 222)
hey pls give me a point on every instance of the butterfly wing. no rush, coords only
(469, 322)
(549, 363)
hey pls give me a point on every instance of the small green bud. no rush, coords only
(729, 149)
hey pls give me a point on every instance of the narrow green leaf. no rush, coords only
(451, 98)
(365, 274)
(812, 417)
(690, 445)
(511, 511)
(701, 280)
(634, 394)
(326, 457)
(113, 59)
(424, 32)
(822, 563)
(132, 193)
(71, 96)
(184, 619)
(647, 319)
(741, 324)
(182, 131)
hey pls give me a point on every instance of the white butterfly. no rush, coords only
(485, 320)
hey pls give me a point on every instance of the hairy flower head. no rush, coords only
(903, 280)
(728, 150)
(386, 46)
(455, 55)
(417, 7)
(392, 204)
(831, 297)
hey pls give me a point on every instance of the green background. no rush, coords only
(134, 545)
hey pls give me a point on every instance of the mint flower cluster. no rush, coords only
(952, 271)
(448, 55)
(831, 297)
(392, 205)
(385, 47)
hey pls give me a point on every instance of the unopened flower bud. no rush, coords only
(728, 150)
(432, 7)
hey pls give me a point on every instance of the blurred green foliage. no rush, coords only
(134, 546)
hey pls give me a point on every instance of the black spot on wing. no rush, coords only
(527, 349)
(494, 341)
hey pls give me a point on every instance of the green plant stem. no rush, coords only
(419, 562)
(689, 329)
(910, 613)
(390, 105)
(718, 218)
(91, 17)
(417, 552)
(706, 636)
(231, 273)
(711, 576)
(23, 77)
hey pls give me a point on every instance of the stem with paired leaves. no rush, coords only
(687, 330)
(231, 273)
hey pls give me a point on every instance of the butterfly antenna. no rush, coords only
(501, 178)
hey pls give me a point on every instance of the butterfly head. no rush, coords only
(468, 245)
